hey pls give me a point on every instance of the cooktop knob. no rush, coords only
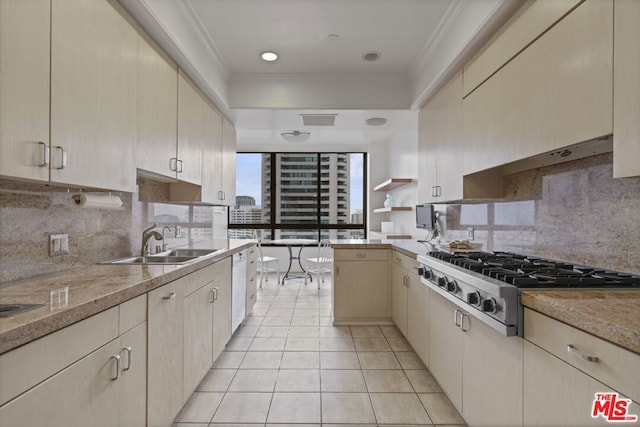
(442, 282)
(473, 298)
(490, 305)
(452, 287)
(425, 272)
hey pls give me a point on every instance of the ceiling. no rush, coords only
(420, 42)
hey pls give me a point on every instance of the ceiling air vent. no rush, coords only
(319, 119)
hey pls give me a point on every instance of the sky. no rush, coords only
(249, 178)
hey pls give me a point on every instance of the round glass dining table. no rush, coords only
(290, 244)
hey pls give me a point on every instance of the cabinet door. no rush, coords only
(198, 333)
(93, 95)
(132, 383)
(84, 394)
(24, 85)
(450, 145)
(221, 314)
(556, 393)
(165, 354)
(492, 366)
(418, 317)
(399, 296)
(361, 290)
(428, 134)
(157, 108)
(578, 59)
(228, 163)
(445, 348)
(212, 156)
(191, 130)
(626, 86)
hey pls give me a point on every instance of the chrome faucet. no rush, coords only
(148, 233)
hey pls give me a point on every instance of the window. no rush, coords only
(281, 195)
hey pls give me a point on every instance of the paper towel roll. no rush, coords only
(97, 201)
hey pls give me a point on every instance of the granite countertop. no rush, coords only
(408, 247)
(613, 315)
(92, 289)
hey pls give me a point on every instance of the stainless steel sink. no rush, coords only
(154, 259)
(8, 310)
(187, 252)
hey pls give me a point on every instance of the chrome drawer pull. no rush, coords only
(45, 154)
(117, 359)
(129, 350)
(571, 349)
(170, 296)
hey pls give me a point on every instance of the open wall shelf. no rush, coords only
(392, 183)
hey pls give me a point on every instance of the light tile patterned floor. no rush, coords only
(287, 365)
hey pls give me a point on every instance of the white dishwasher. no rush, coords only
(238, 289)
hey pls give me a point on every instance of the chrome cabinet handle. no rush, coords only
(63, 158)
(215, 294)
(455, 317)
(45, 154)
(170, 296)
(212, 295)
(173, 164)
(181, 166)
(116, 357)
(462, 317)
(128, 350)
(571, 349)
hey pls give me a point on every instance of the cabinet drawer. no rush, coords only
(408, 263)
(32, 363)
(208, 274)
(252, 253)
(132, 313)
(616, 367)
(361, 254)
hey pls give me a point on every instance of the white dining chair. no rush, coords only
(322, 264)
(265, 263)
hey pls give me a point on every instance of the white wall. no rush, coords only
(395, 158)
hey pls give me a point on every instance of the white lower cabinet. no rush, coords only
(252, 255)
(410, 304)
(479, 369)
(560, 385)
(106, 387)
(165, 353)
(361, 286)
(222, 312)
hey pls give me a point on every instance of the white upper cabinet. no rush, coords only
(555, 93)
(191, 131)
(228, 163)
(93, 95)
(157, 109)
(212, 156)
(24, 85)
(626, 89)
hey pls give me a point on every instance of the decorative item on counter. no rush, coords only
(387, 227)
(97, 201)
(389, 201)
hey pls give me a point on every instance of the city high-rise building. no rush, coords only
(296, 196)
(245, 212)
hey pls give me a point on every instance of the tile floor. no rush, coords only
(287, 365)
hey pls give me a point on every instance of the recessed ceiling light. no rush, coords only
(376, 121)
(333, 36)
(371, 56)
(269, 56)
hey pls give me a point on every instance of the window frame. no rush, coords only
(272, 225)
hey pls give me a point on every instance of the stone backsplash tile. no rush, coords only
(573, 211)
(29, 213)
